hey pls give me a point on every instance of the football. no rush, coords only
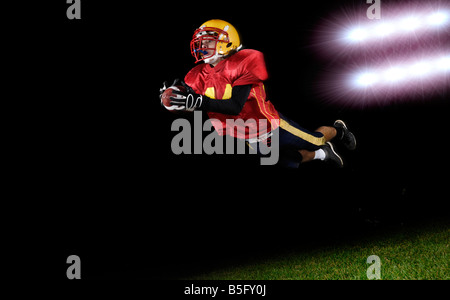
(165, 98)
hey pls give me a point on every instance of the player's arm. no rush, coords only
(232, 106)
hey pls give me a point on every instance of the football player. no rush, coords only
(229, 84)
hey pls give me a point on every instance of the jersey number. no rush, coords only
(211, 93)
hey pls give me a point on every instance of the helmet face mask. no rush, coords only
(209, 42)
(213, 40)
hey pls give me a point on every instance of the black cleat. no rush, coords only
(331, 155)
(347, 138)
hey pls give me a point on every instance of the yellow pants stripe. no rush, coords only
(301, 134)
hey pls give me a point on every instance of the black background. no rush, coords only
(130, 208)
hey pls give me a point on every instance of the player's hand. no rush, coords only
(166, 85)
(188, 99)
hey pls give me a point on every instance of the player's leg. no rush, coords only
(326, 152)
(328, 132)
(338, 131)
(310, 145)
(307, 155)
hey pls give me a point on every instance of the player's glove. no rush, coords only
(187, 99)
(166, 85)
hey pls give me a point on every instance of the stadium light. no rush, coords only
(438, 18)
(420, 69)
(403, 55)
(410, 23)
(357, 35)
(395, 74)
(402, 73)
(444, 63)
(399, 25)
(384, 29)
(366, 79)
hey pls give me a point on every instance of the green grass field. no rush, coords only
(417, 252)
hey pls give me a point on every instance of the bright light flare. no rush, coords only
(397, 26)
(420, 69)
(397, 74)
(438, 18)
(384, 29)
(444, 63)
(410, 23)
(403, 56)
(366, 79)
(357, 35)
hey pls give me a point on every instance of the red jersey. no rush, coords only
(246, 67)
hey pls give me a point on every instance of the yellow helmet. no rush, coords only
(222, 33)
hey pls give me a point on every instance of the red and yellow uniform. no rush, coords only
(229, 87)
(246, 67)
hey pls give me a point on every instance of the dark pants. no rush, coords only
(292, 137)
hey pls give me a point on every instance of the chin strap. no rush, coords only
(212, 59)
